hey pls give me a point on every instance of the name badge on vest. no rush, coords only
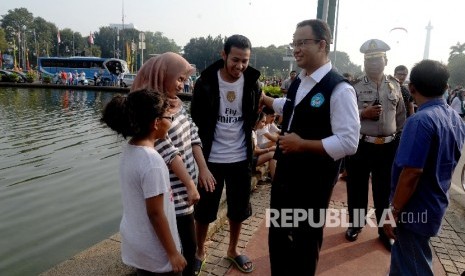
(317, 100)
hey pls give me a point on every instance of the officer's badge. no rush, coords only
(372, 45)
(231, 96)
(317, 100)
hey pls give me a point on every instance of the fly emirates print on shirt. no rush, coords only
(229, 136)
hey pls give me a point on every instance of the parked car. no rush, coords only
(128, 79)
(22, 75)
(7, 76)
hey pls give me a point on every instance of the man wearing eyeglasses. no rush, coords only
(320, 126)
(382, 116)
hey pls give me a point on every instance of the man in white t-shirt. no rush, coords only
(225, 107)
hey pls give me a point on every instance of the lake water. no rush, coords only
(59, 189)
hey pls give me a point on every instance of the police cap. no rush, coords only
(374, 48)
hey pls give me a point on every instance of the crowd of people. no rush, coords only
(76, 78)
(175, 165)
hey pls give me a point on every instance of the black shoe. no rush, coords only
(387, 242)
(352, 233)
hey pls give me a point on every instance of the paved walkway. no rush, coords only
(366, 256)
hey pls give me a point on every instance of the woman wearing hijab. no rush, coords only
(181, 148)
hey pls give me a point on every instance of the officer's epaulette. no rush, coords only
(390, 77)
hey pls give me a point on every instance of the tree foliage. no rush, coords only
(157, 43)
(456, 65)
(45, 36)
(41, 38)
(3, 43)
(203, 51)
(341, 61)
(457, 73)
(456, 50)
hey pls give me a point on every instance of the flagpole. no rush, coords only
(58, 43)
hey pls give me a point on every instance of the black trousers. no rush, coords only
(294, 251)
(375, 160)
(305, 185)
(186, 230)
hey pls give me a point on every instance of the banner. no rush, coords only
(58, 37)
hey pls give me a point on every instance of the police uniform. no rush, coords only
(377, 145)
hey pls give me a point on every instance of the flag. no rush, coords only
(1, 60)
(58, 37)
(91, 39)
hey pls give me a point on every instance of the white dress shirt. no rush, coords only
(345, 121)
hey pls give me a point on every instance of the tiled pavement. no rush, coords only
(366, 256)
(216, 263)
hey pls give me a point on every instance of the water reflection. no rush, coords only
(59, 190)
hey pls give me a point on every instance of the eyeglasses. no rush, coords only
(171, 118)
(302, 42)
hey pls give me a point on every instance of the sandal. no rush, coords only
(198, 265)
(240, 261)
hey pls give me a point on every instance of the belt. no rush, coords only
(379, 140)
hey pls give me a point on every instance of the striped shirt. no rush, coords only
(182, 135)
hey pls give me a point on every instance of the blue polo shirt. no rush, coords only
(432, 139)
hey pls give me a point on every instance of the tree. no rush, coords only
(106, 38)
(66, 45)
(457, 74)
(15, 21)
(269, 60)
(45, 36)
(341, 61)
(458, 49)
(3, 43)
(157, 43)
(203, 51)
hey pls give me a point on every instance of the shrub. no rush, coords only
(13, 77)
(273, 91)
(46, 79)
(30, 76)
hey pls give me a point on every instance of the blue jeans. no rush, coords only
(411, 254)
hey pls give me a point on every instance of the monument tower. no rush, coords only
(427, 42)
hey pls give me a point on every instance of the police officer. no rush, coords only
(382, 116)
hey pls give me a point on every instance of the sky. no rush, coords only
(267, 22)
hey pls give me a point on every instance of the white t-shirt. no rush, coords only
(457, 105)
(272, 128)
(262, 141)
(143, 174)
(229, 140)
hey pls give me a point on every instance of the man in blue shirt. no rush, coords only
(428, 152)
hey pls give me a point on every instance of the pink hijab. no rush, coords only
(159, 71)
